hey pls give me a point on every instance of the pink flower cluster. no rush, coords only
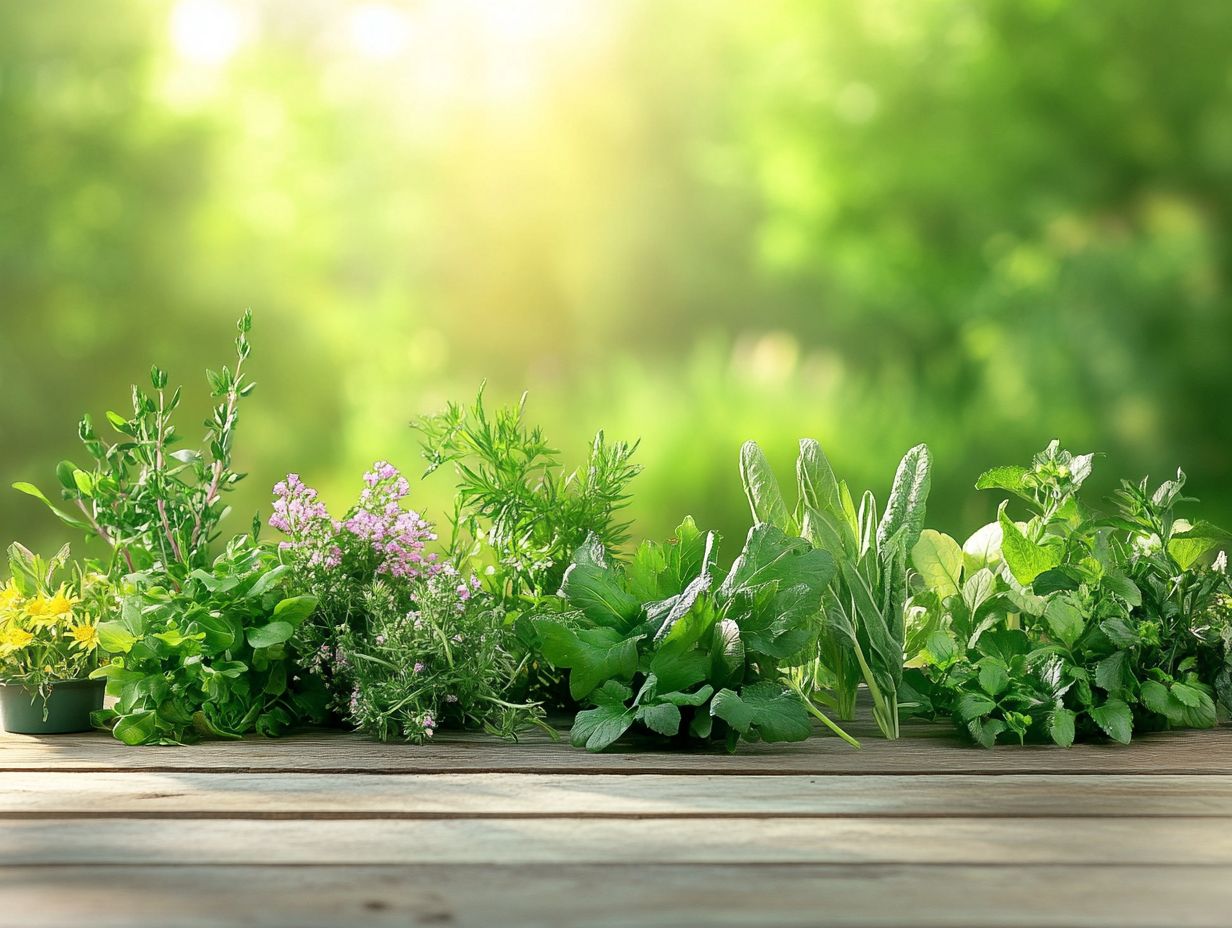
(385, 532)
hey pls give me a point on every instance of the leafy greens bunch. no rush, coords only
(668, 643)
(1072, 625)
(209, 657)
(864, 601)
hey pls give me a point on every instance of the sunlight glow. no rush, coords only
(207, 31)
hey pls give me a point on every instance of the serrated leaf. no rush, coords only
(1061, 726)
(973, 705)
(1010, 477)
(994, 676)
(1116, 720)
(1200, 539)
(767, 710)
(1111, 672)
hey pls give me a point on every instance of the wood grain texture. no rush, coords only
(573, 896)
(1017, 841)
(40, 794)
(924, 749)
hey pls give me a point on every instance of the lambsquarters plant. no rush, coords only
(1073, 625)
(200, 644)
(673, 645)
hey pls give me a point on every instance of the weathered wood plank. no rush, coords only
(52, 793)
(603, 896)
(1020, 841)
(922, 750)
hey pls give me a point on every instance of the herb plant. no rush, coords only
(155, 507)
(1071, 625)
(670, 644)
(517, 508)
(864, 602)
(401, 640)
(209, 658)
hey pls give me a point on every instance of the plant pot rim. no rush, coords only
(75, 681)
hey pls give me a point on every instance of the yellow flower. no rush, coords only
(85, 636)
(13, 639)
(50, 610)
(9, 597)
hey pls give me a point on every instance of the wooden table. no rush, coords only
(332, 829)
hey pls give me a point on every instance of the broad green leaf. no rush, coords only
(994, 676)
(769, 554)
(296, 610)
(983, 548)
(1123, 587)
(766, 710)
(677, 670)
(138, 728)
(266, 636)
(592, 655)
(941, 647)
(1112, 673)
(1202, 538)
(597, 591)
(1065, 619)
(1155, 697)
(978, 589)
(1025, 559)
(114, 638)
(597, 728)
(939, 561)
(663, 718)
(1061, 726)
(905, 508)
(761, 488)
(1116, 720)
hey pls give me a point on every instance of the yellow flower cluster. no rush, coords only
(49, 623)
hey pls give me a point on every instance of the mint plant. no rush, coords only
(209, 657)
(1072, 625)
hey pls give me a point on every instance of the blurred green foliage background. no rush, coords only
(980, 225)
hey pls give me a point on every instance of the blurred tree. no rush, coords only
(979, 225)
